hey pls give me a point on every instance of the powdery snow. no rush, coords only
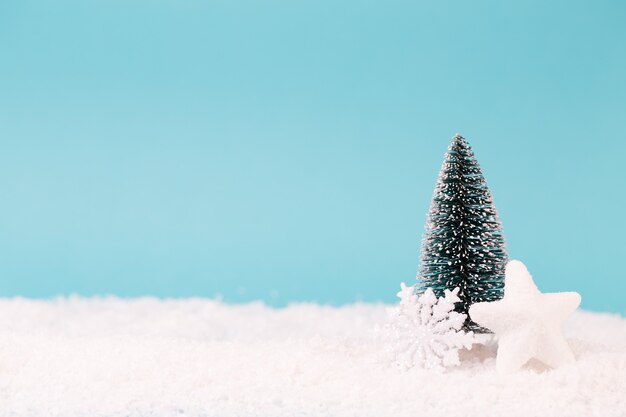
(197, 357)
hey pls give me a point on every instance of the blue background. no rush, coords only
(288, 150)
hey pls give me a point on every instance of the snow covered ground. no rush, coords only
(198, 357)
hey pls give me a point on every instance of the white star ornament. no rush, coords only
(527, 323)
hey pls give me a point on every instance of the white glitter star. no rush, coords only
(527, 323)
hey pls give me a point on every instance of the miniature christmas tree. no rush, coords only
(463, 245)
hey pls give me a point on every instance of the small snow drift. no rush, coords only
(196, 357)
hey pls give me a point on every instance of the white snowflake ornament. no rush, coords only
(527, 323)
(425, 331)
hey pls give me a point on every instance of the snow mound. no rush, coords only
(197, 357)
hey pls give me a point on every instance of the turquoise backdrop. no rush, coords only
(287, 150)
